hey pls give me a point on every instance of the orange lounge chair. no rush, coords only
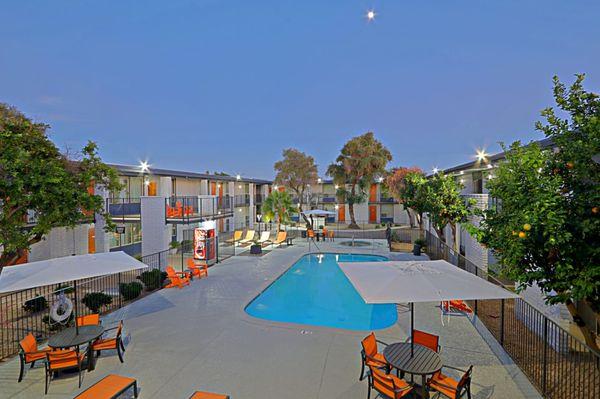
(237, 235)
(280, 239)
(197, 270)
(178, 279)
(29, 353)
(448, 386)
(208, 395)
(387, 385)
(426, 339)
(457, 305)
(370, 355)
(110, 387)
(61, 360)
(88, 320)
(115, 343)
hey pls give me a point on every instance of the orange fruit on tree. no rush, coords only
(570, 165)
(595, 210)
(526, 227)
(522, 234)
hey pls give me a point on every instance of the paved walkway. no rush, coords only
(200, 338)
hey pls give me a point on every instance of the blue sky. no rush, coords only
(226, 85)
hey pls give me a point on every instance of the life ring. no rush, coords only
(61, 311)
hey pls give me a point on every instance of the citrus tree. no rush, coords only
(37, 180)
(405, 185)
(545, 229)
(361, 159)
(277, 207)
(296, 171)
(444, 204)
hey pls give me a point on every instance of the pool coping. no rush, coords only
(307, 327)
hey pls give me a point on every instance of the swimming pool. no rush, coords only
(315, 291)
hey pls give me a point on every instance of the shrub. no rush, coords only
(153, 279)
(421, 242)
(36, 304)
(130, 290)
(95, 300)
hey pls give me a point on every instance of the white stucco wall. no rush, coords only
(156, 234)
(61, 242)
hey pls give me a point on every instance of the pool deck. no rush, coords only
(200, 338)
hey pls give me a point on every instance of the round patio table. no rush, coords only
(423, 362)
(68, 338)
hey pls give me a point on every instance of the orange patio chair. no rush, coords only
(197, 270)
(29, 353)
(456, 304)
(310, 234)
(387, 385)
(114, 343)
(208, 395)
(178, 279)
(61, 360)
(88, 320)
(325, 234)
(370, 355)
(110, 387)
(331, 236)
(426, 339)
(448, 386)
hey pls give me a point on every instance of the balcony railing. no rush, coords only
(194, 209)
(242, 200)
(124, 209)
(258, 199)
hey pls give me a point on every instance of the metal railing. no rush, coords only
(557, 363)
(242, 200)
(190, 209)
(124, 209)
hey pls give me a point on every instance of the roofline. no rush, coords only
(131, 170)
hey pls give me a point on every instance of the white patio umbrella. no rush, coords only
(66, 269)
(318, 212)
(418, 281)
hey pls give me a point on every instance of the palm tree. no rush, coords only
(361, 159)
(277, 206)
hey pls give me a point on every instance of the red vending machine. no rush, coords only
(205, 242)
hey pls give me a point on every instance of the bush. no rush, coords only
(152, 279)
(36, 304)
(421, 242)
(130, 290)
(95, 300)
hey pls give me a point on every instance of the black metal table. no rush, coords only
(423, 361)
(69, 338)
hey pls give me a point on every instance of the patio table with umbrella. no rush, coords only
(418, 281)
(69, 269)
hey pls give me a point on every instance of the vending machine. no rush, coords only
(205, 242)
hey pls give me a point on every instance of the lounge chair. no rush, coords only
(448, 386)
(178, 279)
(61, 360)
(264, 238)
(237, 235)
(427, 340)
(370, 354)
(197, 270)
(280, 239)
(88, 320)
(115, 343)
(110, 387)
(387, 385)
(208, 395)
(29, 353)
(456, 305)
(249, 237)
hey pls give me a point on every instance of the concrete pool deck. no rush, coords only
(200, 338)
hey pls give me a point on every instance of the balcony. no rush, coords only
(242, 200)
(184, 210)
(258, 199)
(124, 209)
(383, 200)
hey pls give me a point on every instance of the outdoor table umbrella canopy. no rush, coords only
(318, 212)
(418, 281)
(66, 269)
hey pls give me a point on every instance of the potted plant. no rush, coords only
(256, 248)
(95, 300)
(173, 247)
(418, 245)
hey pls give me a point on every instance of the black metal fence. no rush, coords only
(557, 363)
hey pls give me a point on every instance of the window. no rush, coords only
(132, 235)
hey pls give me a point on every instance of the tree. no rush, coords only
(546, 228)
(36, 179)
(444, 204)
(296, 171)
(278, 207)
(405, 186)
(361, 159)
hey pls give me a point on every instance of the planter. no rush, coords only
(416, 250)
(256, 249)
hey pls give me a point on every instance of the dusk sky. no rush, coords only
(226, 85)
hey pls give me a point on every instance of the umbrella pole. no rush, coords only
(76, 308)
(412, 327)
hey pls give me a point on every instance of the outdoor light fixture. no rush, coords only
(319, 180)
(240, 186)
(337, 206)
(336, 186)
(462, 172)
(380, 179)
(144, 166)
(371, 15)
(481, 155)
(490, 166)
(238, 177)
(146, 182)
(275, 187)
(435, 170)
(219, 185)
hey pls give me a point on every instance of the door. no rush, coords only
(213, 188)
(372, 213)
(91, 240)
(373, 193)
(152, 189)
(342, 213)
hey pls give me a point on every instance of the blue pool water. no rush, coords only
(315, 291)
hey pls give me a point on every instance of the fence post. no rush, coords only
(217, 247)
(119, 291)
(475, 310)
(545, 364)
(502, 323)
